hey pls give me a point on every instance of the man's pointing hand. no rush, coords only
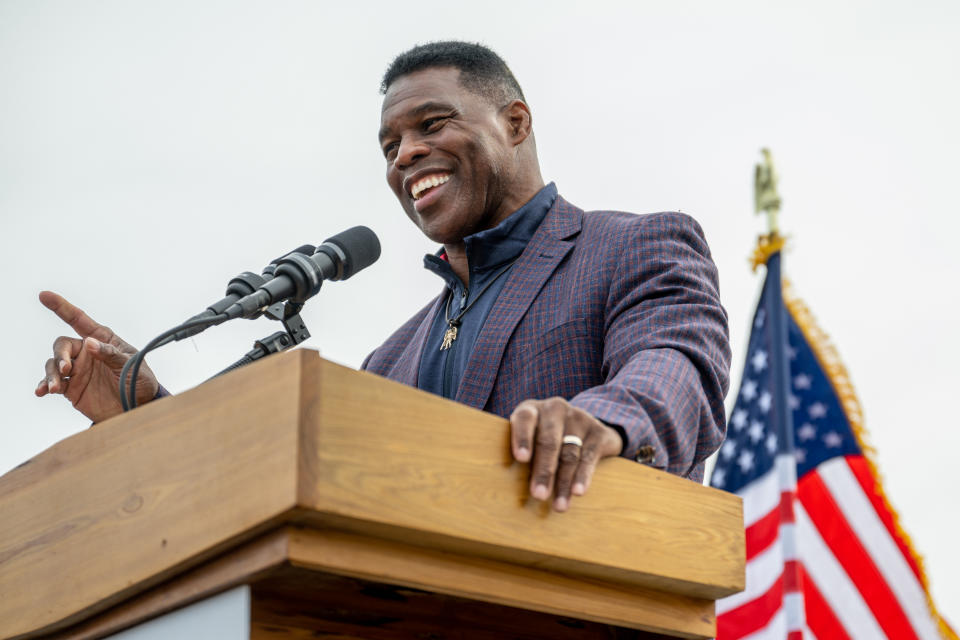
(87, 369)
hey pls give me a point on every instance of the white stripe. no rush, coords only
(762, 573)
(875, 537)
(832, 581)
(760, 497)
(793, 606)
(788, 540)
(776, 629)
(763, 494)
(786, 466)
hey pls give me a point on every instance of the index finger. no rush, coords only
(84, 325)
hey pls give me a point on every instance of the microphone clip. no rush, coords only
(295, 332)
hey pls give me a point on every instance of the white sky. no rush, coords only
(149, 151)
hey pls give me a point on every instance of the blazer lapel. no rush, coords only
(546, 250)
(408, 366)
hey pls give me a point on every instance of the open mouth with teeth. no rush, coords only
(425, 185)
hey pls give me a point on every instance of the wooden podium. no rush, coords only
(352, 507)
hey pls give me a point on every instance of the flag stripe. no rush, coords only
(841, 595)
(762, 573)
(820, 617)
(760, 497)
(753, 615)
(776, 629)
(848, 550)
(867, 527)
(858, 465)
(762, 533)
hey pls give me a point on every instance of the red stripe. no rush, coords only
(843, 542)
(791, 576)
(751, 616)
(861, 470)
(820, 617)
(762, 533)
(786, 507)
(795, 635)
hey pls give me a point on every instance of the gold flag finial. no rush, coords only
(766, 200)
(766, 197)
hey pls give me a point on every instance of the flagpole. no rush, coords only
(769, 250)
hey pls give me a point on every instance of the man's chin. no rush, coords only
(443, 234)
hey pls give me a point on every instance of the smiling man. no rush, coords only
(598, 334)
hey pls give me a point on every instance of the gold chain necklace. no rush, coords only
(453, 324)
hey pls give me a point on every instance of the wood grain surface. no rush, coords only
(132, 501)
(421, 469)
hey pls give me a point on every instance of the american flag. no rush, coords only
(826, 557)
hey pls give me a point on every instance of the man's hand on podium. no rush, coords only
(87, 369)
(565, 443)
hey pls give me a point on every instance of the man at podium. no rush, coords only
(597, 333)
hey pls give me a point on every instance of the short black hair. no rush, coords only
(482, 71)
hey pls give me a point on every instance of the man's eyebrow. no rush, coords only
(419, 110)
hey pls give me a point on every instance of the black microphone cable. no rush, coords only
(132, 366)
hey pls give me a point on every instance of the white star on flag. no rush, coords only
(817, 410)
(717, 478)
(756, 431)
(794, 402)
(759, 360)
(832, 439)
(771, 443)
(807, 431)
(800, 455)
(745, 460)
(761, 316)
(765, 401)
(749, 390)
(802, 381)
(728, 449)
(739, 419)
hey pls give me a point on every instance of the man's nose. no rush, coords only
(409, 152)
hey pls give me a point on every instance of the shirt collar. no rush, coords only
(491, 248)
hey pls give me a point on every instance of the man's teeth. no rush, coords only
(426, 183)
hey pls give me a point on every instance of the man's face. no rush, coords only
(449, 154)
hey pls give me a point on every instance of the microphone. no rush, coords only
(298, 277)
(239, 287)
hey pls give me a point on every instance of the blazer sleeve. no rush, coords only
(666, 351)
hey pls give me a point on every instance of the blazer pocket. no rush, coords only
(566, 333)
(562, 361)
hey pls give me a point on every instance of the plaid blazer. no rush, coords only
(620, 314)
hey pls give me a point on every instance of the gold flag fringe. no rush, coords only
(829, 359)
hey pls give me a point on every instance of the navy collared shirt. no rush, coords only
(489, 252)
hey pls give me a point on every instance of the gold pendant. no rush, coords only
(448, 338)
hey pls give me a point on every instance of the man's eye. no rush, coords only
(432, 124)
(390, 150)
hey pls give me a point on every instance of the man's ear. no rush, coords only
(519, 121)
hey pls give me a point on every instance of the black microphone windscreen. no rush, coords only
(360, 248)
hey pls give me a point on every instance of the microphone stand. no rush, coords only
(294, 333)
